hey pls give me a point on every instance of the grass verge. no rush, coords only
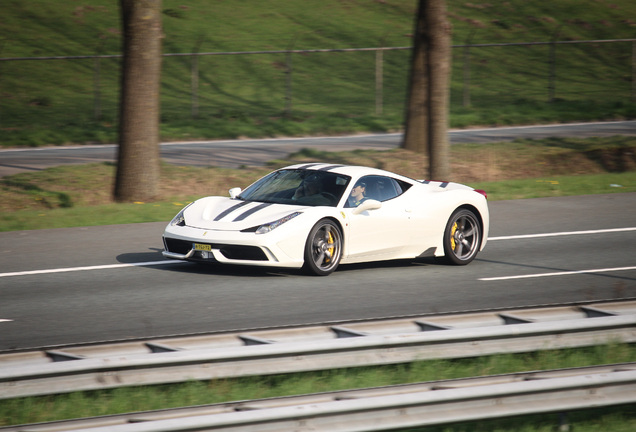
(124, 400)
(69, 196)
(164, 210)
(55, 102)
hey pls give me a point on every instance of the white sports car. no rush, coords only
(319, 215)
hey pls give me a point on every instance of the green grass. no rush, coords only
(68, 196)
(113, 214)
(109, 214)
(55, 101)
(559, 186)
(123, 400)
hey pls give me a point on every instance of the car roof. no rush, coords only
(349, 170)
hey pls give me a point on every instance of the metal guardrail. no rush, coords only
(401, 406)
(314, 348)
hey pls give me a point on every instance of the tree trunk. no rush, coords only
(426, 126)
(138, 158)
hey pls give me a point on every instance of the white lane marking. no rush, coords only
(603, 270)
(566, 233)
(5, 320)
(570, 233)
(151, 263)
(100, 267)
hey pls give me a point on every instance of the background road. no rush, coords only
(257, 152)
(79, 284)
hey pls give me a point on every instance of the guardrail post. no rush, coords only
(564, 424)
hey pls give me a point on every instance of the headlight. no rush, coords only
(265, 228)
(179, 219)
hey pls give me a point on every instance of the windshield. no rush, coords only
(305, 187)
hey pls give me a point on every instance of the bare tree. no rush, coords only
(138, 158)
(426, 126)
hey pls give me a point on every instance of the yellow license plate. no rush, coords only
(202, 247)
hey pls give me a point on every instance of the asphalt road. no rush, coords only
(256, 152)
(92, 284)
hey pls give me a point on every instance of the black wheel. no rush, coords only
(462, 237)
(323, 249)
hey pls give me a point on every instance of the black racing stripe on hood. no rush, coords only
(230, 210)
(250, 212)
(330, 167)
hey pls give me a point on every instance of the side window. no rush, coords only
(383, 188)
(402, 186)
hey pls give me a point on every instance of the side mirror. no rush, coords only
(367, 205)
(234, 192)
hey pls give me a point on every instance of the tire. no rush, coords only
(323, 249)
(462, 237)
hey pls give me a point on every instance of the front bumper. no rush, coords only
(178, 256)
(232, 247)
(204, 250)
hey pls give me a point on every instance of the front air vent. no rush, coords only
(249, 253)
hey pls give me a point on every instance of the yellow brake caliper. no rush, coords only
(452, 236)
(330, 242)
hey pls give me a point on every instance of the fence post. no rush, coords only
(552, 65)
(466, 86)
(194, 80)
(194, 86)
(466, 74)
(633, 71)
(288, 84)
(379, 81)
(97, 89)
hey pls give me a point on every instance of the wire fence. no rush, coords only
(360, 80)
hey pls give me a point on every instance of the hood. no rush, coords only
(226, 214)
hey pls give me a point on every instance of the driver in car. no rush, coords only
(310, 192)
(357, 195)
